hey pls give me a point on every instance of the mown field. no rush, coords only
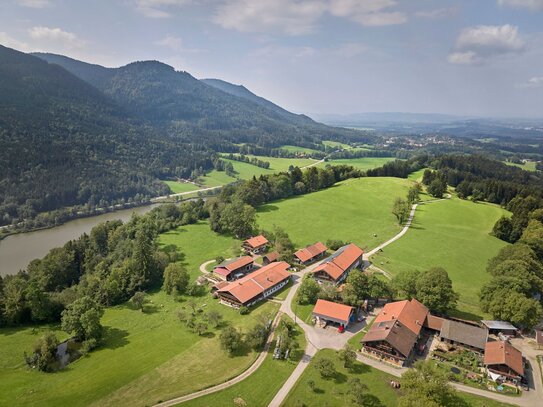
(144, 354)
(259, 388)
(355, 210)
(453, 234)
(334, 392)
(528, 166)
(364, 163)
(178, 187)
(298, 149)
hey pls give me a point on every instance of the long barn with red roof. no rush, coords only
(336, 268)
(256, 286)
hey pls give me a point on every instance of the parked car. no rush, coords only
(341, 329)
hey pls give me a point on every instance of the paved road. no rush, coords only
(158, 198)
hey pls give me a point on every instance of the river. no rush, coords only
(16, 251)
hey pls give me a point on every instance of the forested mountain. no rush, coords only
(242, 92)
(163, 96)
(65, 143)
(77, 134)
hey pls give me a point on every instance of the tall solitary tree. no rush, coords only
(434, 289)
(400, 209)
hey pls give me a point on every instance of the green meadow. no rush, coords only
(178, 187)
(355, 210)
(453, 234)
(528, 166)
(336, 144)
(334, 391)
(363, 163)
(144, 354)
(298, 149)
(259, 388)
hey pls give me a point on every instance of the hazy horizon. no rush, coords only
(480, 59)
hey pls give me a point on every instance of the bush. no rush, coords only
(243, 310)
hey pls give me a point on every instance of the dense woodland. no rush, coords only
(102, 137)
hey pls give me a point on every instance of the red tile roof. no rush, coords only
(411, 313)
(256, 241)
(333, 310)
(498, 353)
(310, 252)
(434, 322)
(255, 283)
(395, 333)
(222, 271)
(238, 263)
(340, 261)
(273, 256)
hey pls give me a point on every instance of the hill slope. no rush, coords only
(215, 109)
(66, 143)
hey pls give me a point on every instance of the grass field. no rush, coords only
(144, 355)
(178, 187)
(356, 210)
(298, 149)
(277, 164)
(528, 166)
(363, 163)
(259, 388)
(334, 392)
(336, 144)
(453, 234)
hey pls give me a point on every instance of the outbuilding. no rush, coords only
(497, 327)
(231, 269)
(328, 311)
(465, 335)
(255, 245)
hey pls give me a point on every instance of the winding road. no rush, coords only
(316, 341)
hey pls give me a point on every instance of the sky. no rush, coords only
(473, 57)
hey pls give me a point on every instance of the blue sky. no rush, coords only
(476, 57)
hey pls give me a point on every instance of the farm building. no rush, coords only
(255, 245)
(503, 360)
(328, 311)
(235, 268)
(433, 323)
(336, 268)
(497, 327)
(396, 330)
(255, 286)
(271, 257)
(465, 335)
(310, 253)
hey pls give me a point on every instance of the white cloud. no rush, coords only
(475, 45)
(285, 16)
(368, 12)
(34, 3)
(11, 42)
(298, 17)
(437, 13)
(534, 82)
(158, 8)
(55, 35)
(529, 4)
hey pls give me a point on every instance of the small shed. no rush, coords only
(270, 257)
(333, 312)
(497, 327)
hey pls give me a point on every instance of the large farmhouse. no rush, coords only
(336, 268)
(255, 245)
(396, 330)
(310, 253)
(255, 286)
(503, 360)
(229, 270)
